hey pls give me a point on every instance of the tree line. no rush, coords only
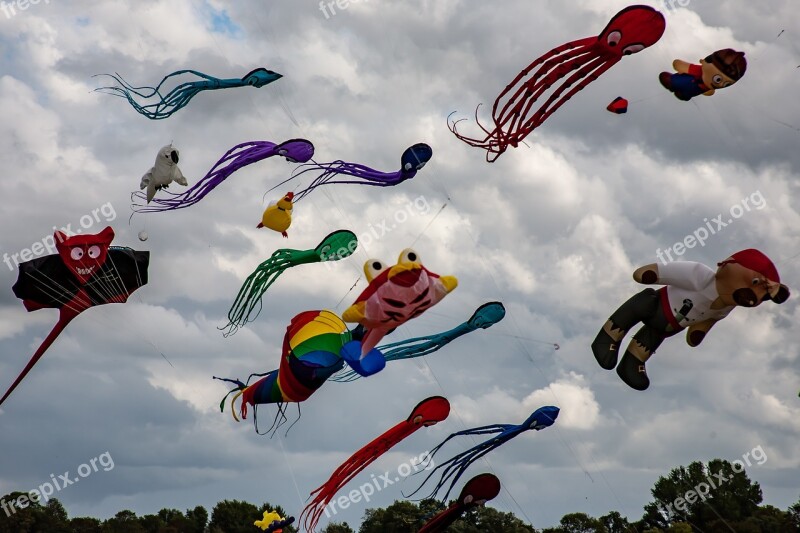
(713, 497)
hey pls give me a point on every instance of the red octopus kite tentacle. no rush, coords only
(547, 62)
(589, 74)
(495, 141)
(520, 115)
(428, 412)
(350, 469)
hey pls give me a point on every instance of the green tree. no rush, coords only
(197, 518)
(484, 519)
(615, 523)
(123, 522)
(578, 523)
(794, 514)
(152, 523)
(701, 494)
(338, 527)
(85, 525)
(21, 514)
(400, 517)
(233, 516)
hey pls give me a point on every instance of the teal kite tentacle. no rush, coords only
(484, 317)
(163, 106)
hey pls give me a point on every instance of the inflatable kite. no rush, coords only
(426, 413)
(412, 160)
(721, 69)
(336, 246)
(476, 492)
(693, 296)
(278, 215)
(164, 106)
(85, 273)
(311, 354)
(273, 522)
(164, 172)
(581, 62)
(618, 106)
(394, 296)
(240, 156)
(484, 317)
(454, 467)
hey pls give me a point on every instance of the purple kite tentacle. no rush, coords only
(412, 160)
(240, 156)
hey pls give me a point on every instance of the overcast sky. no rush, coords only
(553, 229)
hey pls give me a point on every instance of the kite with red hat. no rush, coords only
(721, 69)
(694, 297)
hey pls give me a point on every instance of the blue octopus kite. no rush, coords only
(179, 97)
(457, 465)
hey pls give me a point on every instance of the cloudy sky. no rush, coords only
(553, 230)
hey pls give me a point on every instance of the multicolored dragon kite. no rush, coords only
(314, 341)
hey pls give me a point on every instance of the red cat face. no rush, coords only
(84, 254)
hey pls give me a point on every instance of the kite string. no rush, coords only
(524, 349)
(291, 472)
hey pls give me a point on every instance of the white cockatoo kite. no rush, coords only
(164, 172)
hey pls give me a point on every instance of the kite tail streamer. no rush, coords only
(426, 413)
(335, 246)
(350, 469)
(63, 320)
(254, 287)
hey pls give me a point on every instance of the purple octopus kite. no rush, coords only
(412, 160)
(241, 155)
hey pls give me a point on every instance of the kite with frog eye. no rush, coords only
(693, 296)
(394, 296)
(86, 272)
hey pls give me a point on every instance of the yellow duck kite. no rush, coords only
(273, 522)
(278, 215)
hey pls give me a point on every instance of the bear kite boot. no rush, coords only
(632, 367)
(638, 308)
(606, 345)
